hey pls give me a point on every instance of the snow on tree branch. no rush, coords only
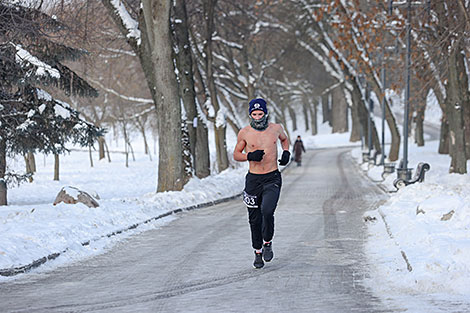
(228, 43)
(321, 59)
(24, 58)
(261, 24)
(131, 25)
(114, 92)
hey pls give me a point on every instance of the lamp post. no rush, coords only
(407, 88)
(382, 158)
(369, 119)
(404, 172)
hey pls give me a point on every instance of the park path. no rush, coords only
(202, 261)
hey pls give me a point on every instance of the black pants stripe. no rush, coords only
(267, 188)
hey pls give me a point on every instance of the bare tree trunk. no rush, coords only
(126, 140)
(202, 150)
(146, 146)
(245, 70)
(325, 108)
(293, 117)
(126, 152)
(155, 55)
(101, 143)
(363, 116)
(144, 137)
(312, 108)
(454, 104)
(132, 150)
(32, 162)
(360, 109)
(339, 111)
(202, 159)
(466, 112)
(419, 130)
(221, 147)
(456, 87)
(147, 149)
(444, 137)
(421, 102)
(222, 157)
(186, 84)
(91, 156)
(56, 167)
(375, 139)
(170, 167)
(155, 145)
(356, 124)
(466, 121)
(28, 168)
(141, 126)
(143, 49)
(305, 111)
(107, 152)
(282, 118)
(392, 125)
(187, 156)
(314, 117)
(234, 126)
(3, 167)
(220, 124)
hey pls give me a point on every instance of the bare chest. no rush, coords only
(265, 140)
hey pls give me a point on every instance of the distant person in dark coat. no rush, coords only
(298, 149)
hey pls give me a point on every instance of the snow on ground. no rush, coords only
(429, 222)
(324, 137)
(437, 250)
(32, 228)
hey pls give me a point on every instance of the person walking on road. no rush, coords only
(257, 144)
(298, 149)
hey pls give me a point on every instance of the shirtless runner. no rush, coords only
(263, 181)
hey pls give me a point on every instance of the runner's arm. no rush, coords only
(238, 154)
(284, 140)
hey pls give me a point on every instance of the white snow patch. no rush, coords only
(23, 57)
(43, 95)
(131, 25)
(61, 111)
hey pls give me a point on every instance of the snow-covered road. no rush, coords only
(202, 262)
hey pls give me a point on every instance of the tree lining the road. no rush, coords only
(32, 57)
(439, 60)
(305, 57)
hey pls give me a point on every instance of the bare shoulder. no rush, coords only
(277, 127)
(242, 133)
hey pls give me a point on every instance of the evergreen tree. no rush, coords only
(31, 120)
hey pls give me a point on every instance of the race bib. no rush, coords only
(250, 201)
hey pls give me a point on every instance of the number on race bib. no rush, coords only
(250, 201)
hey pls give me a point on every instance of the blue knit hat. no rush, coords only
(258, 104)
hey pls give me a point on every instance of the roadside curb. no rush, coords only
(387, 227)
(25, 268)
(8, 272)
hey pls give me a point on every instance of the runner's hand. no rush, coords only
(255, 155)
(284, 158)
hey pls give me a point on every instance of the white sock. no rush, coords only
(258, 250)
